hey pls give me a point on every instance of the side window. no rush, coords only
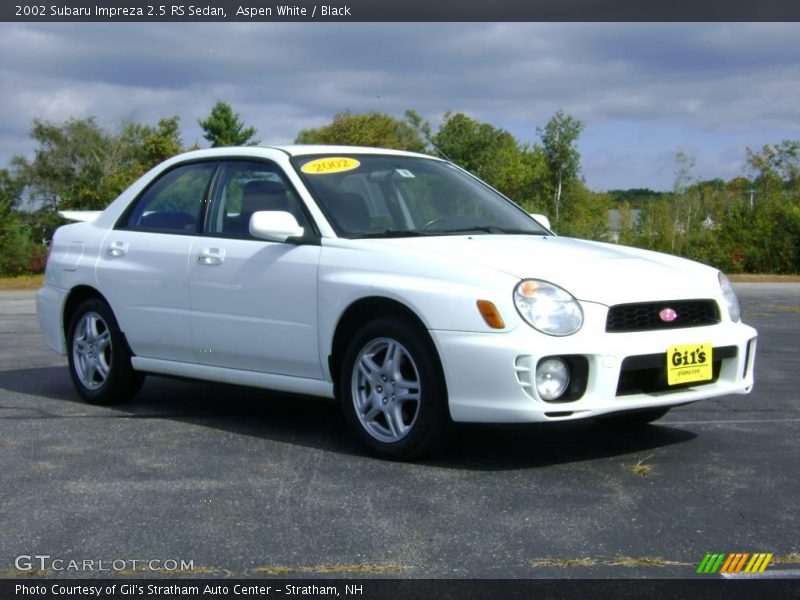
(174, 203)
(244, 188)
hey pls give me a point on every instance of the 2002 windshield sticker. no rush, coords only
(335, 164)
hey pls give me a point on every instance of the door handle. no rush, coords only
(211, 256)
(118, 249)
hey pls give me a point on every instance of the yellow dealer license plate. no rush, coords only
(687, 364)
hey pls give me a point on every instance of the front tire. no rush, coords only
(99, 359)
(392, 390)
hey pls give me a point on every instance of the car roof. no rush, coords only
(303, 149)
(292, 150)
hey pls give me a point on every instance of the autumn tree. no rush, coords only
(223, 127)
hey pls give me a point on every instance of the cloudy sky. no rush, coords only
(645, 91)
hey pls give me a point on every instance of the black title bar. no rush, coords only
(401, 10)
(394, 589)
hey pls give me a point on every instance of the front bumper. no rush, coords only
(488, 375)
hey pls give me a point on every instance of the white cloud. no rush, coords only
(713, 87)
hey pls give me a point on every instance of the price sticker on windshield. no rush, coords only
(334, 164)
(688, 364)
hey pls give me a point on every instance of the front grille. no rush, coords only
(644, 316)
(647, 374)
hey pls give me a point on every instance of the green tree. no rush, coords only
(149, 146)
(138, 149)
(586, 213)
(371, 129)
(780, 161)
(563, 159)
(655, 225)
(626, 223)
(16, 245)
(80, 166)
(10, 189)
(69, 164)
(775, 212)
(423, 129)
(683, 197)
(223, 127)
(495, 156)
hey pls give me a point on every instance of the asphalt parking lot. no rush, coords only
(245, 483)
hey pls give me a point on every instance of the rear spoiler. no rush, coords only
(80, 215)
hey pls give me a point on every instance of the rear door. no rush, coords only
(254, 302)
(143, 265)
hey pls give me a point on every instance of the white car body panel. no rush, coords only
(148, 286)
(603, 273)
(256, 307)
(266, 315)
(478, 394)
(269, 381)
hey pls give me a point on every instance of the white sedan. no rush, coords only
(397, 283)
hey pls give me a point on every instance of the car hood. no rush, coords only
(590, 271)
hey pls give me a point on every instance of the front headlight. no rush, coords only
(731, 301)
(547, 307)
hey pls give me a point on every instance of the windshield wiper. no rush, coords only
(392, 233)
(398, 233)
(494, 229)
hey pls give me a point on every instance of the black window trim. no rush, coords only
(312, 237)
(123, 218)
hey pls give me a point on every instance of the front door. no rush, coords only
(254, 302)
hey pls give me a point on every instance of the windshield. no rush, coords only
(367, 195)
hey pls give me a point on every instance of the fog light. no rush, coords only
(552, 378)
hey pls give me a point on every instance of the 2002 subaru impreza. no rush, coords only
(395, 282)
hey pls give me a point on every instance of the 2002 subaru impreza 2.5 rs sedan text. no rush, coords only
(395, 282)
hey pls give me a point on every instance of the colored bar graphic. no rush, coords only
(734, 562)
(704, 563)
(728, 565)
(758, 563)
(738, 565)
(711, 563)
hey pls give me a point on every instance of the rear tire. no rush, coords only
(392, 390)
(99, 358)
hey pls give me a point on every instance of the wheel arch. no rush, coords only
(77, 296)
(121, 382)
(363, 311)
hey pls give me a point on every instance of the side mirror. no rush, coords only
(541, 219)
(274, 225)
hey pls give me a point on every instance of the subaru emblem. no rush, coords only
(667, 315)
